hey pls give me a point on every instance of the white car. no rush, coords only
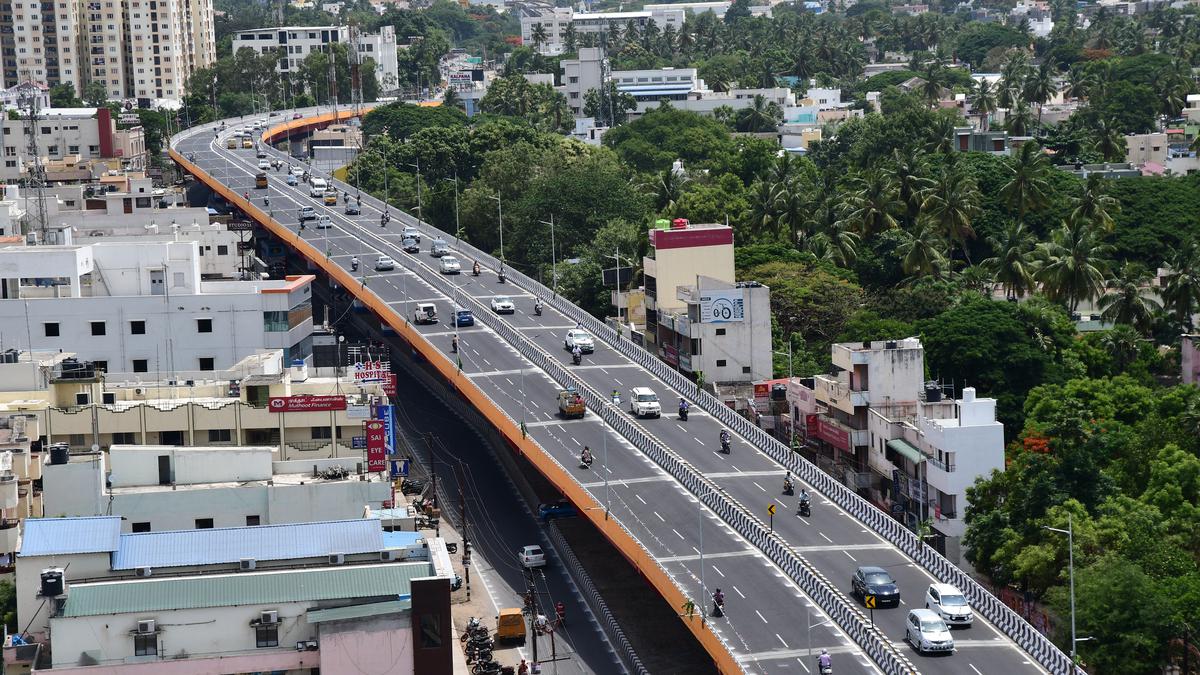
(324, 223)
(532, 556)
(502, 304)
(307, 213)
(579, 337)
(317, 187)
(383, 263)
(296, 171)
(949, 603)
(264, 164)
(643, 402)
(410, 232)
(926, 632)
(449, 265)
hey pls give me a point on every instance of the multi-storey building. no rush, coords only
(293, 44)
(137, 49)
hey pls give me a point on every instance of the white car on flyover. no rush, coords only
(502, 304)
(580, 337)
(449, 265)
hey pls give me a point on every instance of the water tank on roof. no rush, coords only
(933, 392)
(662, 224)
(11, 355)
(60, 453)
(52, 582)
(679, 224)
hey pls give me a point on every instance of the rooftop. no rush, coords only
(62, 536)
(388, 580)
(231, 544)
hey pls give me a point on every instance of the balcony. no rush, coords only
(839, 395)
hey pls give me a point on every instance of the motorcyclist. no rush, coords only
(537, 307)
(825, 661)
(500, 274)
(266, 201)
(586, 456)
(616, 397)
(718, 603)
(576, 354)
(725, 440)
(683, 408)
(475, 268)
(454, 344)
(354, 263)
(787, 483)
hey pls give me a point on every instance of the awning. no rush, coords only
(905, 448)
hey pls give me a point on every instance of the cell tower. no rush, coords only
(36, 183)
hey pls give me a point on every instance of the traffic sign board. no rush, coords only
(869, 601)
(771, 509)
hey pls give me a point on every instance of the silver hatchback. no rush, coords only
(926, 632)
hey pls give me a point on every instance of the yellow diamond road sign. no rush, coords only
(869, 601)
(771, 509)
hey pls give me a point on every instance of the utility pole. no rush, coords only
(437, 529)
(466, 540)
(531, 602)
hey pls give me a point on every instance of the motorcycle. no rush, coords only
(585, 461)
(487, 668)
(805, 509)
(475, 270)
(725, 444)
(537, 309)
(500, 276)
(683, 411)
(825, 669)
(788, 488)
(718, 605)
(354, 265)
(577, 357)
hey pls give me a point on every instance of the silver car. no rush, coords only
(949, 603)
(926, 632)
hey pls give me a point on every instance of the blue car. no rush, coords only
(463, 317)
(292, 180)
(560, 509)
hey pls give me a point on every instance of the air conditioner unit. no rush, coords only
(145, 626)
(269, 616)
(337, 558)
(389, 556)
(142, 571)
(247, 564)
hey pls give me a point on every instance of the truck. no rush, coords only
(570, 404)
(510, 626)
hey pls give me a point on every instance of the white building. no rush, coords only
(142, 307)
(156, 488)
(554, 22)
(717, 8)
(83, 133)
(294, 43)
(137, 50)
(17, 95)
(340, 595)
(1156, 152)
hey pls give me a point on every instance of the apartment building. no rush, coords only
(159, 487)
(142, 307)
(294, 43)
(341, 595)
(554, 22)
(71, 135)
(258, 402)
(137, 49)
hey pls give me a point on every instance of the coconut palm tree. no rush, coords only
(838, 245)
(667, 188)
(870, 203)
(1040, 86)
(1122, 343)
(984, 101)
(1080, 83)
(1094, 206)
(1110, 143)
(1074, 264)
(922, 253)
(791, 208)
(931, 88)
(1012, 79)
(950, 205)
(1019, 119)
(1125, 303)
(762, 217)
(1013, 264)
(908, 172)
(1181, 287)
(1027, 187)
(539, 35)
(762, 115)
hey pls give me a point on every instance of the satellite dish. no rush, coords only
(95, 447)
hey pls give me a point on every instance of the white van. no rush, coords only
(317, 187)
(643, 402)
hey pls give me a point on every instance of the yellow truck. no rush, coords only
(570, 404)
(510, 626)
(231, 144)
(247, 143)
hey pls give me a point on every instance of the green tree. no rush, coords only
(1095, 206)
(95, 94)
(63, 96)
(1181, 287)
(950, 204)
(1127, 301)
(402, 120)
(761, 115)
(1027, 187)
(870, 203)
(1012, 264)
(923, 251)
(610, 109)
(1110, 142)
(1074, 264)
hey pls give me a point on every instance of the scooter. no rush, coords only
(576, 358)
(537, 309)
(718, 605)
(475, 270)
(805, 509)
(683, 413)
(788, 489)
(585, 462)
(354, 265)
(825, 670)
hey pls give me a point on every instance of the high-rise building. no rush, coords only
(137, 49)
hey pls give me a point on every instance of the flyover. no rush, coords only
(689, 518)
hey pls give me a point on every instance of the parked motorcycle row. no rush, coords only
(478, 645)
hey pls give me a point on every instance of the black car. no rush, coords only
(410, 245)
(353, 210)
(877, 582)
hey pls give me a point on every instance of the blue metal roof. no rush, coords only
(231, 544)
(61, 536)
(400, 539)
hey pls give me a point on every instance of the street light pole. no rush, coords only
(553, 258)
(792, 423)
(1070, 532)
(417, 166)
(500, 211)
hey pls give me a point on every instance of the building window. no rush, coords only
(141, 365)
(720, 331)
(431, 631)
(253, 521)
(746, 370)
(51, 329)
(123, 438)
(222, 249)
(266, 636)
(137, 327)
(220, 436)
(145, 645)
(141, 527)
(204, 523)
(203, 325)
(720, 363)
(101, 366)
(98, 328)
(206, 363)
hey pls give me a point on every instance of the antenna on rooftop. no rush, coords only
(31, 107)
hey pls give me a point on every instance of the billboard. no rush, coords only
(376, 452)
(285, 404)
(372, 371)
(723, 306)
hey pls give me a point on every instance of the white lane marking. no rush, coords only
(764, 619)
(659, 517)
(718, 571)
(639, 498)
(850, 556)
